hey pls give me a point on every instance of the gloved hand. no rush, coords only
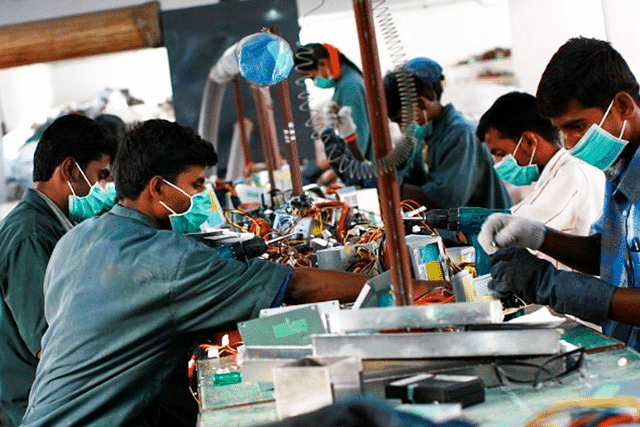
(516, 271)
(346, 126)
(505, 230)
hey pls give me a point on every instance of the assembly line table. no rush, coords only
(607, 366)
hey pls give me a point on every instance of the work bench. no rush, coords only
(604, 368)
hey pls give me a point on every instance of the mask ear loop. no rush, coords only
(180, 190)
(83, 175)
(606, 113)
(624, 125)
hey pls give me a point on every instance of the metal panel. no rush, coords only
(519, 342)
(427, 316)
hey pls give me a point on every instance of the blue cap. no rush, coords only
(425, 69)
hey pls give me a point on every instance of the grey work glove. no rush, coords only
(505, 230)
(516, 271)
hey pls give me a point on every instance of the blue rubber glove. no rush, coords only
(517, 271)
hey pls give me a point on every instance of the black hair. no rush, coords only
(515, 113)
(114, 128)
(588, 70)
(307, 56)
(431, 91)
(72, 135)
(158, 147)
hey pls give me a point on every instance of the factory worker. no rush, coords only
(567, 193)
(331, 69)
(127, 294)
(449, 167)
(70, 167)
(589, 92)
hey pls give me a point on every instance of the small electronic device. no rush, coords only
(428, 388)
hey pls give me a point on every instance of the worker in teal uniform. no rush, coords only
(71, 166)
(331, 69)
(127, 294)
(448, 167)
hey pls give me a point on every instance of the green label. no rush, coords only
(290, 328)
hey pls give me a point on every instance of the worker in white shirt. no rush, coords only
(567, 193)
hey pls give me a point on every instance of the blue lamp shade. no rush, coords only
(265, 58)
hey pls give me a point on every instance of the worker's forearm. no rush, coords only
(578, 252)
(355, 150)
(624, 306)
(313, 285)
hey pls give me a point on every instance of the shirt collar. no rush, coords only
(66, 224)
(629, 178)
(133, 214)
(554, 162)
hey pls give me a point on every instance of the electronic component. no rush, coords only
(429, 388)
(427, 257)
(240, 246)
(341, 257)
(293, 327)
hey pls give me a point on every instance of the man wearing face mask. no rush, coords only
(70, 167)
(448, 167)
(128, 294)
(591, 95)
(567, 194)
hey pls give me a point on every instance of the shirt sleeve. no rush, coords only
(24, 293)
(353, 95)
(212, 292)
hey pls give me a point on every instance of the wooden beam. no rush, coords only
(76, 36)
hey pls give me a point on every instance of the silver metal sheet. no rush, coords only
(519, 342)
(415, 317)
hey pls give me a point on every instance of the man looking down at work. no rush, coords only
(127, 294)
(448, 167)
(591, 95)
(71, 165)
(567, 193)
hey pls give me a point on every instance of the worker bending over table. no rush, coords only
(589, 92)
(126, 297)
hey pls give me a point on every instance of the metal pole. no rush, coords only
(388, 187)
(246, 150)
(290, 140)
(262, 101)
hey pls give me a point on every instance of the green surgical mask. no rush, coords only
(99, 199)
(200, 209)
(598, 147)
(423, 132)
(509, 169)
(323, 83)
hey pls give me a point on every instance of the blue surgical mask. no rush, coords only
(99, 199)
(598, 147)
(323, 83)
(200, 209)
(509, 169)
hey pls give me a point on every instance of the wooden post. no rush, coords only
(388, 187)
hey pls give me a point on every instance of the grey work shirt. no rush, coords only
(124, 302)
(28, 235)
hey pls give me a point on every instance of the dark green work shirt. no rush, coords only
(125, 301)
(459, 169)
(27, 237)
